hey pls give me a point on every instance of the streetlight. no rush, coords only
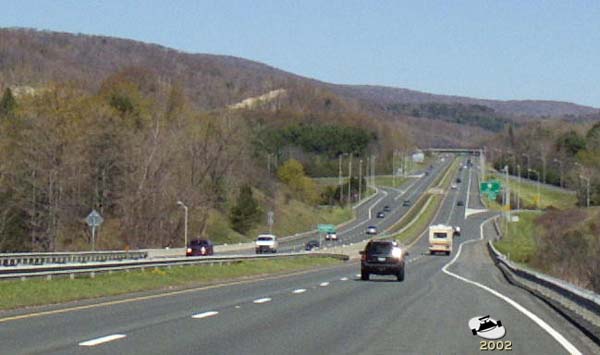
(350, 180)
(587, 180)
(560, 164)
(539, 197)
(185, 228)
(528, 170)
(519, 187)
(360, 180)
(587, 195)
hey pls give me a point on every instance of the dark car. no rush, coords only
(458, 180)
(199, 247)
(382, 257)
(387, 208)
(460, 203)
(312, 244)
(380, 214)
(406, 203)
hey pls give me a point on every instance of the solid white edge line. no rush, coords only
(205, 314)
(300, 290)
(571, 349)
(262, 300)
(101, 340)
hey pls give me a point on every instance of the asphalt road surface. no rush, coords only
(328, 311)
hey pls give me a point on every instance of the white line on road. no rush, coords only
(323, 284)
(262, 300)
(344, 279)
(205, 314)
(571, 349)
(300, 290)
(101, 340)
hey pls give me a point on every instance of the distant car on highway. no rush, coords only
(458, 180)
(387, 208)
(406, 203)
(312, 244)
(453, 186)
(456, 231)
(371, 230)
(266, 243)
(381, 214)
(382, 257)
(199, 247)
(331, 236)
(460, 203)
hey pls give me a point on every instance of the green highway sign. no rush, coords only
(326, 228)
(490, 186)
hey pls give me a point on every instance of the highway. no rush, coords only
(325, 311)
(355, 230)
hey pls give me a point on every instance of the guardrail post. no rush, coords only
(48, 277)
(72, 276)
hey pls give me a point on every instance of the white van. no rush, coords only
(266, 243)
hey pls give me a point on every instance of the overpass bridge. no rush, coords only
(473, 151)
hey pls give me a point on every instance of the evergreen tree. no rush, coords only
(246, 212)
(8, 103)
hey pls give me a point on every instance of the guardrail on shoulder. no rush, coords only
(17, 259)
(582, 297)
(71, 270)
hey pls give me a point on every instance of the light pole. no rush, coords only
(507, 195)
(350, 180)
(528, 170)
(519, 187)
(587, 195)
(560, 164)
(340, 176)
(394, 168)
(539, 197)
(360, 180)
(185, 228)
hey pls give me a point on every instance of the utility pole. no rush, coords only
(587, 195)
(482, 162)
(539, 197)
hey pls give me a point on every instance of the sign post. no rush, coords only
(94, 219)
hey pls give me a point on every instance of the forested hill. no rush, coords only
(30, 59)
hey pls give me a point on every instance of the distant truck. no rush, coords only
(440, 239)
(266, 243)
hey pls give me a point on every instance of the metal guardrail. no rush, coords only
(71, 270)
(17, 259)
(586, 299)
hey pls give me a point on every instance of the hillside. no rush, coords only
(30, 59)
(386, 96)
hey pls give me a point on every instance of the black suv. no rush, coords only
(382, 257)
(406, 203)
(199, 247)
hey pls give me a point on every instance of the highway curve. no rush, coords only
(328, 311)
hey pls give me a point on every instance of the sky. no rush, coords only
(505, 49)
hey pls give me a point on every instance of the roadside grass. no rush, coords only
(388, 181)
(35, 292)
(519, 243)
(549, 197)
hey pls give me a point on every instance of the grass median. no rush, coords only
(35, 292)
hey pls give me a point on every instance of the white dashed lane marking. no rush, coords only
(344, 279)
(262, 300)
(205, 314)
(300, 290)
(323, 284)
(102, 340)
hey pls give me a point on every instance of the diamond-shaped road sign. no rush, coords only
(94, 219)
